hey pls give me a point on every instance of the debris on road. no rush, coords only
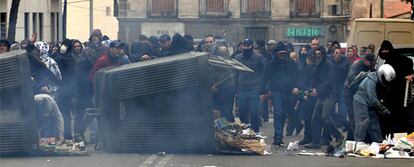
(240, 136)
(53, 146)
(390, 148)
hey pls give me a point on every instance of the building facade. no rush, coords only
(103, 18)
(234, 20)
(42, 17)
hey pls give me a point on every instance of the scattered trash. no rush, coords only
(399, 147)
(52, 146)
(161, 153)
(240, 136)
(303, 152)
(293, 146)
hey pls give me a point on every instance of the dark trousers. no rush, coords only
(223, 101)
(323, 116)
(366, 123)
(306, 115)
(281, 103)
(295, 121)
(348, 99)
(249, 108)
(264, 108)
(66, 106)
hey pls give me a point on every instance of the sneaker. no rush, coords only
(312, 146)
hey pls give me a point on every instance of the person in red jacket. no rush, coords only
(107, 59)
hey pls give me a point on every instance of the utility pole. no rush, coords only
(382, 9)
(90, 16)
(64, 19)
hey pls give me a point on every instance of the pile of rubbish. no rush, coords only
(53, 146)
(399, 147)
(240, 136)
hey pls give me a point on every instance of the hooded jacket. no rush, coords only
(282, 75)
(248, 80)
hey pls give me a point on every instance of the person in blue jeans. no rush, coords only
(281, 77)
(248, 83)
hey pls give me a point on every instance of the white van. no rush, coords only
(374, 30)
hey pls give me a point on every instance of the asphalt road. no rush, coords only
(279, 158)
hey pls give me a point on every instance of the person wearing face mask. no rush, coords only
(394, 101)
(211, 46)
(66, 96)
(281, 74)
(248, 84)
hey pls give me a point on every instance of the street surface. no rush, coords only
(279, 158)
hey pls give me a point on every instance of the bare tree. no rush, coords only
(11, 33)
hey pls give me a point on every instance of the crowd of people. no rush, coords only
(330, 93)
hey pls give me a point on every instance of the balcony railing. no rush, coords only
(305, 8)
(214, 8)
(255, 8)
(162, 8)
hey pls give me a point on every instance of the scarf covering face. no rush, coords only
(43, 49)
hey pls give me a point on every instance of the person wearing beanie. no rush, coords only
(248, 84)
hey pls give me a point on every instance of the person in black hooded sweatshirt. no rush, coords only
(403, 66)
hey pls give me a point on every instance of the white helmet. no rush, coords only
(386, 74)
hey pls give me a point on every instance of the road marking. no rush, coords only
(164, 160)
(148, 161)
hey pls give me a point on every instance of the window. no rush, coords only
(52, 27)
(255, 8)
(26, 25)
(214, 8)
(34, 22)
(108, 11)
(3, 25)
(40, 35)
(309, 8)
(162, 8)
(256, 33)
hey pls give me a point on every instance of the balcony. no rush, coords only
(214, 8)
(305, 8)
(255, 8)
(162, 8)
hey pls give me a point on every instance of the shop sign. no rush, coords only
(303, 32)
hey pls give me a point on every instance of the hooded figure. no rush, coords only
(394, 100)
(178, 44)
(281, 76)
(248, 84)
(43, 49)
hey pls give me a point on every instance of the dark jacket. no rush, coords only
(248, 80)
(322, 79)
(356, 68)
(281, 75)
(340, 72)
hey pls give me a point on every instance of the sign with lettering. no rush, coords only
(303, 32)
